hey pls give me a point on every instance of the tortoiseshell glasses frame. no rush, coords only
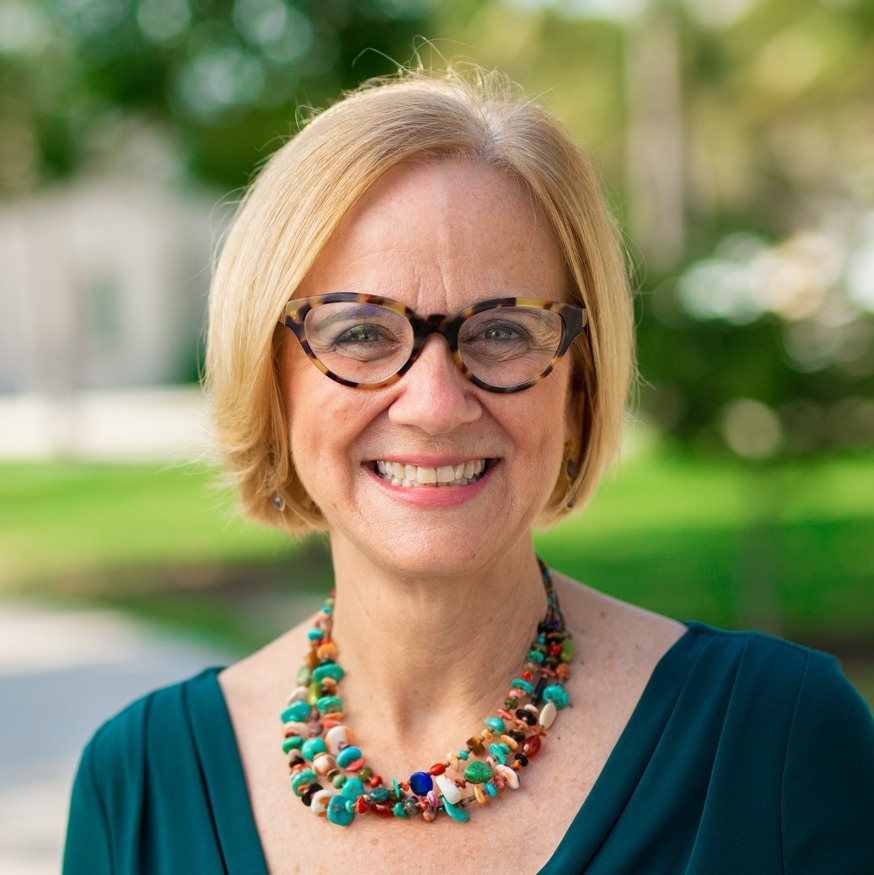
(533, 334)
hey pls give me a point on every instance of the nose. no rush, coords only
(433, 395)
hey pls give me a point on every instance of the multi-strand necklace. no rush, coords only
(329, 772)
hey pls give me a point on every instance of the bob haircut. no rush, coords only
(301, 196)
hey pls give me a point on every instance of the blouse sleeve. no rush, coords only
(87, 846)
(828, 780)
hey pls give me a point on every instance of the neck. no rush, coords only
(435, 651)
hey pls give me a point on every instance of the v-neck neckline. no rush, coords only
(238, 837)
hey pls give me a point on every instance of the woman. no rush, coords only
(420, 342)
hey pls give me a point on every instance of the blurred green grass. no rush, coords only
(788, 549)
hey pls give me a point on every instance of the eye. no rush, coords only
(360, 334)
(502, 331)
(495, 340)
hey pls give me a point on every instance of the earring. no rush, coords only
(571, 471)
(277, 501)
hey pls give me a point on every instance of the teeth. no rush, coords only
(411, 476)
(426, 475)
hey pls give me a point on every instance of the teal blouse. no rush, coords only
(745, 755)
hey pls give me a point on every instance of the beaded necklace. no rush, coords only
(328, 771)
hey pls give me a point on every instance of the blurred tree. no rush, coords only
(225, 76)
(737, 141)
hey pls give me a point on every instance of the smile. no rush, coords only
(411, 476)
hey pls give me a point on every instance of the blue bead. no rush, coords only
(455, 812)
(339, 812)
(421, 783)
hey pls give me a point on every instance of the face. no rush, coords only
(438, 238)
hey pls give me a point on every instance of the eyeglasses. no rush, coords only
(366, 341)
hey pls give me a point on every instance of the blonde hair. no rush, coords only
(309, 185)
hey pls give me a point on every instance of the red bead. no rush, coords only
(531, 746)
(437, 769)
(375, 781)
(383, 809)
(360, 805)
(526, 675)
(555, 650)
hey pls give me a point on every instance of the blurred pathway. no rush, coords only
(62, 673)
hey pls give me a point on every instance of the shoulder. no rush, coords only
(155, 718)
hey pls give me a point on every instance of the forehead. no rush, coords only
(442, 236)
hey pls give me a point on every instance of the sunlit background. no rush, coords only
(736, 141)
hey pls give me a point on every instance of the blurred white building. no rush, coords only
(102, 284)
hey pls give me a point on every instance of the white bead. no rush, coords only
(320, 800)
(337, 737)
(448, 788)
(323, 764)
(508, 775)
(547, 715)
(298, 694)
(301, 729)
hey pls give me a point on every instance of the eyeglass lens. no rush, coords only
(368, 343)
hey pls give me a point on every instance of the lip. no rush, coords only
(429, 496)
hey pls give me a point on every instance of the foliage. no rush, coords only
(787, 548)
(225, 76)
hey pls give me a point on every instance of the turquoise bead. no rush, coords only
(495, 724)
(296, 712)
(399, 810)
(291, 743)
(353, 788)
(455, 812)
(329, 704)
(380, 794)
(557, 695)
(340, 812)
(477, 773)
(520, 684)
(535, 656)
(347, 756)
(328, 670)
(302, 780)
(490, 789)
(315, 634)
(396, 788)
(312, 747)
(464, 754)
(497, 751)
